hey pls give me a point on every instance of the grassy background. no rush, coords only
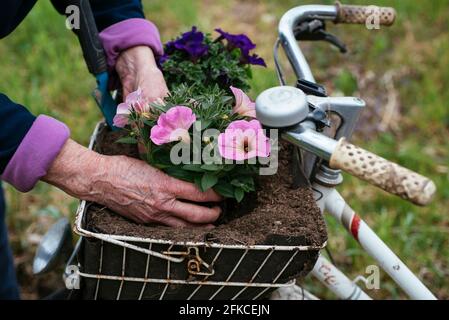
(401, 72)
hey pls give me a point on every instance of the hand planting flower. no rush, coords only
(243, 104)
(173, 126)
(243, 140)
(202, 72)
(134, 102)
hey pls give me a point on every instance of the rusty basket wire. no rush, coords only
(123, 267)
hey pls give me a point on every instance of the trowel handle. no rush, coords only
(89, 39)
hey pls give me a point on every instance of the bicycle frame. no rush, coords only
(332, 202)
(327, 197)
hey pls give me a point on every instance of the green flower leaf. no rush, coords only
(236, 183)
(197, 181)
(160, 108)
(127, 140)
(208, 181)
(193, 167)
(180, 173)
(244, 182)
(150, 123)
(228, 167)
(205, 124)
(225, 189)
(211, 167)
(239, 194)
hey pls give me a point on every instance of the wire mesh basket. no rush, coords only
(124, 267)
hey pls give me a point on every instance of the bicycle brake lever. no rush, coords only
(315, 30)
(332, 39)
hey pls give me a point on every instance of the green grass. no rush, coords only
(42, 68)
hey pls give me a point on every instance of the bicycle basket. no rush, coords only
(124, 267)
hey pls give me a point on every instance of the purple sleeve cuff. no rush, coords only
(127, 34)
(36, 153)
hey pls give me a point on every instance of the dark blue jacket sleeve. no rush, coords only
(15, 121)
(108, 12)
(12, 12)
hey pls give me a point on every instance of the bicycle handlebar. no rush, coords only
(342, 155)
(364, 165)
(337, 13)
(362, 14)
(287, 38)
(382, 173)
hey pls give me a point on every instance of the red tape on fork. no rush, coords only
(355, 226)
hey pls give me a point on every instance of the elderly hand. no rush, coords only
(136, 68)
(131, 188)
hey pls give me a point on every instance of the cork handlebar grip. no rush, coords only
(350, 14)
(382, 173)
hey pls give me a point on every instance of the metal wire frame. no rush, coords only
(168, 281)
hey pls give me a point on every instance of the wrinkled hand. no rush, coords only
(131, 188)
(136, 68)
(145, 194)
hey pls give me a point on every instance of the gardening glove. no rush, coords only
(131, 187)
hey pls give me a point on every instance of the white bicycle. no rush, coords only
(322, 157)
(301, 113)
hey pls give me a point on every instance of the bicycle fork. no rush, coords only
(329, 200)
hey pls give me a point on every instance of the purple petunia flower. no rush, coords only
(163, 59)
(191, 42)
(256, 60)
(240, 41)
(245, 45)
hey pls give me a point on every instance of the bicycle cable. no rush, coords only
(279, 72)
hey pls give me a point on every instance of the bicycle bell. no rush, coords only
(282, 107)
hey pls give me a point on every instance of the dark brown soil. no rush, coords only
(275, 213)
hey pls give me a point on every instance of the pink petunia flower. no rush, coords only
(243, 104)
(173, 126)
(244, 140)
(134, 101)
